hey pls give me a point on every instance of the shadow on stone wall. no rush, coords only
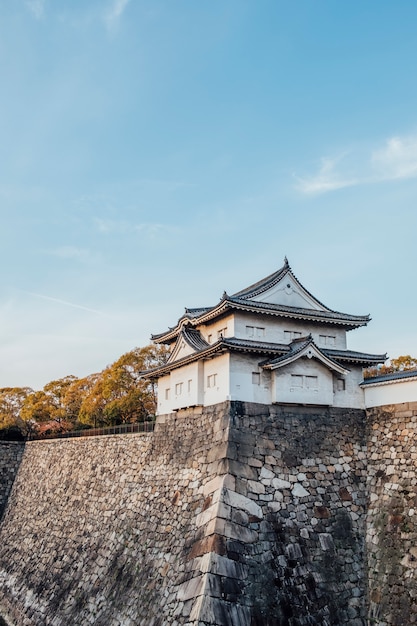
(11, 453)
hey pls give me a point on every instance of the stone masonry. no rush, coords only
(392, 514)
(237, 514)
(10, 457)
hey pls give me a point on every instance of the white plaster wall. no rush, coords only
(275, 327)
(164, 406)
(191, 377)
(220, 367)
(180, 350)
(241, 386)
(353, 396)
(212, 329)
(288, 293)
(284, 391)
(394, 392)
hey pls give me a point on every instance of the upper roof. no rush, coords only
(280, 294)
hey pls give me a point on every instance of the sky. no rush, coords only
(156, 153)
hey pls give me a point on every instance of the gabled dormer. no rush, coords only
(189, 341)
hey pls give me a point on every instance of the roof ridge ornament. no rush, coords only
(286, 264)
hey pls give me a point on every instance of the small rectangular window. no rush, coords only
(311, 382)
(189, 385)
(327, 340)
(290, 335)
(221, 333)
(341, 384)
(178, 389)
(256, 378)
(210, 338)
(250, 331)
(167, 393)
(211, 380)
(260, 331)
(296, 380)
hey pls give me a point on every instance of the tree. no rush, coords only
(50, 406)
(11, 402)
(402, 363)
(119, 394)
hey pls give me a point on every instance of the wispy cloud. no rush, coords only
(36, 7)
(395, 160)
(64, 302)
(70, 252)
(149, 229)
(327, 178)
(114, 13)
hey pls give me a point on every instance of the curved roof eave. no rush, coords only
(277, 310)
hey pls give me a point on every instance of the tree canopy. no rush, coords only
(402, 363)
(117, 395)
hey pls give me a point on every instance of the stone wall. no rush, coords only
(10, 457)
(392, 514)
(235, 515)
(98, 530)
(291, 519)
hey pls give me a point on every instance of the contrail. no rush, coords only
(66, 303)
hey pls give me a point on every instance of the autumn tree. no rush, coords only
(50, 405)
(11, 402)
(402, 363)
(119, 394)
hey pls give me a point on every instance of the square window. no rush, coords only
(256, 378)
(211, 380)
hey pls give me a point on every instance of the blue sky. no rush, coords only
(155, 153)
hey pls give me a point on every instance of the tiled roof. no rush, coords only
(254, 346)
(334, 317)
(363, 358)
(264, 283)
(243, 301)
(194, 338)
(297, 347)
(197, 312)
(385, 378)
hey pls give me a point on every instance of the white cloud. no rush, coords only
(36, 7)
(114, 13)
(327, 178)
(149, 229)
(396, 160)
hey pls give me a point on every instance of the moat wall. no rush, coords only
(392, 514)
(237, 514)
